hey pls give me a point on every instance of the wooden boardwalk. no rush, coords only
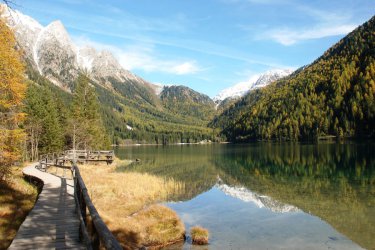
(53, 222)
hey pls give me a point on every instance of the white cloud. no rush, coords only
(150, 63)
(143, 57)
(185, 68)
(200, 46)
(287, 36)
(315, 24)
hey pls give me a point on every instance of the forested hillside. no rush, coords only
(183, 101)
(332, 96)
(131, 113)
(130, 108)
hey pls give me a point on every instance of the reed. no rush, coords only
(127, 203)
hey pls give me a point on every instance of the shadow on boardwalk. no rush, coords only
(53, 222)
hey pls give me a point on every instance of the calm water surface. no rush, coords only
(268, 195)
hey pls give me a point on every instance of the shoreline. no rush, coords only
(134, 199)
(170, 144)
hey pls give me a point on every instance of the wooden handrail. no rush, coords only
(98, 235)
(59, 159)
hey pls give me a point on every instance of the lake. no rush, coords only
(269, 195)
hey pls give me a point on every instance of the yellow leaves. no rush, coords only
(12, 87)
(12, 93)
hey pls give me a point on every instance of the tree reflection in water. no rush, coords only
(335, 182)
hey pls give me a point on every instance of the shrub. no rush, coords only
(199, 235)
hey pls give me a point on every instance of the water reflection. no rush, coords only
(261, 201)
(335, 182)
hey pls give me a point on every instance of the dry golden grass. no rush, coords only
(199, 235)
(126, 202)
(17, 198)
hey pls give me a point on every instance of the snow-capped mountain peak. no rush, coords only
(271, 76)
(237, 90)
(52, 52)
(255, 82)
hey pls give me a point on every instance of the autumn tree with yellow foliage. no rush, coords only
(12, 92)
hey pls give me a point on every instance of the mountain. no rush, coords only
(187, 102)
(255, 82)
(127, 100)
(51, 51)
(333, 96)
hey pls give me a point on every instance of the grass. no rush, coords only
(199, 235)
(126, 202)
(17, 198)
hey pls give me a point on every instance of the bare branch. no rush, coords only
(10, 3)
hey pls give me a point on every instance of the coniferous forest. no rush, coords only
(333, 96)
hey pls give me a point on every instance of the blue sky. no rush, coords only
(207, 45)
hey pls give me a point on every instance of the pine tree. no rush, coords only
(43, 125)
(12, 91)
(86, 124)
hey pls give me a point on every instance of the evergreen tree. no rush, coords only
(86, 124)
(43, 124)
(12, 91)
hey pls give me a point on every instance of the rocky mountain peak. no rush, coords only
(51, 51)
(54, 55)
(25, 29)
(85, 57)
(57, 31)
(105, 65)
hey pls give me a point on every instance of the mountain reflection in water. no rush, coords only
(260, 201)
(335, 182)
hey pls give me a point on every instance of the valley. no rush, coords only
(249, 123)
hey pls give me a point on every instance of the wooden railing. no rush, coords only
(93, 231)
(60, 159)
(96, 233)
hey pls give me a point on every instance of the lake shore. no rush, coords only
(170, 144)
(127, 203)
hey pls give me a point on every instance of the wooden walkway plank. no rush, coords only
(53, 222)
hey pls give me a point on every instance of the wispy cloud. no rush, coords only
(149, 62)
(110, 16)
(145, 30)
(204, 47)
(322, 24)
(144, 57)
(288, 36)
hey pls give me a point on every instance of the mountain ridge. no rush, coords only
(332, 96)
(256, 81)
(52, 44)
(127, 100)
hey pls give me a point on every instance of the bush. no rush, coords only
(199, 235)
